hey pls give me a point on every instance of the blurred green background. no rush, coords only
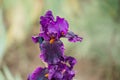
(97, 21)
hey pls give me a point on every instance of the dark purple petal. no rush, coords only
(57, 76)
(71, 60)
(73, 37)
(55, 73)
(52, 53)
(60, 71)
(39, 74)
(68, 75)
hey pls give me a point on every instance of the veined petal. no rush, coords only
(52, 53)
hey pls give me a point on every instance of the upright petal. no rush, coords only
(46, 20)
(49, 15)
(53, 30)
(63, 25)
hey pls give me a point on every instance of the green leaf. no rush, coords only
(2, 36)
(1, 76)
(7, 73)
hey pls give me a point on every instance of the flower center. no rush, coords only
(52, 40)
(46, 75)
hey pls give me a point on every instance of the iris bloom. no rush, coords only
(62, 70)
(50, 33)
(52, 30)
(59, 66)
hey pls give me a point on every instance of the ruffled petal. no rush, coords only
(52, 53)
(68, 75)
(71, 60)
(39, 74)
(46, 19)
(63, 25)
(60, 71)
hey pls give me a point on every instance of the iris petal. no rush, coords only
(62, 24)
(73, 37)
(52, 53)
(39, 74)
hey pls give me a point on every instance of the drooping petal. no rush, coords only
(73, 37)
(39, 74)
(52, 53)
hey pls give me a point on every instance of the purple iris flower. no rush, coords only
(50, 33)
(59, 66)
(52, 29)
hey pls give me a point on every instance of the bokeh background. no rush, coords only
(97, 21)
